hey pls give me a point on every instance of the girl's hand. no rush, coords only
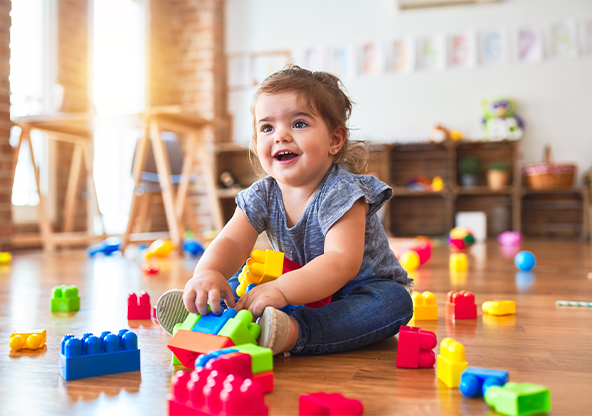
(258, 298)
(207, 287)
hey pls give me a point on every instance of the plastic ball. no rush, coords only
(423, 248)
(409, 259)
(159, 248)
(525, 261)
(460, 238)
(5, 258)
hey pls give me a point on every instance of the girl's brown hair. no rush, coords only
(323, 94)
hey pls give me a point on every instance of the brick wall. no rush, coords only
(6, 224)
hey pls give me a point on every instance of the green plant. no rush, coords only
(469, 165)
(498, 165)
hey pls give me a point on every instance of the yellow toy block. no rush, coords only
(261, 267)
(458, 262)
(32, 340)
(451, 362)
(499, 307)
(424, 306)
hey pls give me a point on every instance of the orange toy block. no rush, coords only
(451, 362)
(461, 305)
(188, 345)
(424, 306)
(27, 339)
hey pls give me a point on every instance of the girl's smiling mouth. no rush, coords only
(285, 156)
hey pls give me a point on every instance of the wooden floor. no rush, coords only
(541, 344)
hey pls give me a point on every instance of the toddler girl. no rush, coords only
(317, 214)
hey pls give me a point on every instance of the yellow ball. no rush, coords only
(5, 258)
(409, 259)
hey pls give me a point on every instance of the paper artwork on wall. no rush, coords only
(586, 37)
(239, 71)
(400, 56)
(314, 58)
(462, 52)
(529, 44)
(341, 61)
(431, 53)
(563, 40)
(372, 59)
(265, 64)
(493, 47)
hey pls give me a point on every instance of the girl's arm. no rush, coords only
(323, 276)
(222, 259)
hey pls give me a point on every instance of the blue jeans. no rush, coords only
(358, 315)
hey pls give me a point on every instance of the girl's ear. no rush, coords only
(337, 140)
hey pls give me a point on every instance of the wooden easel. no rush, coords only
(178, 120)
(72, 128)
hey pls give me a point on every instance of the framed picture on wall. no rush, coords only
(563, 39)
(400, 55)
(493, 47)
(528, 42)
(265, 63)
(462, 53)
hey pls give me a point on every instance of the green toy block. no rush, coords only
(176, 361)
(519, 399)
(190, 321)
(65, 299)
(261, 357)
(241, 329)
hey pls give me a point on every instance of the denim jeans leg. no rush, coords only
(369, 313)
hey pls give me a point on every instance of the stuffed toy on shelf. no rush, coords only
(500, 120)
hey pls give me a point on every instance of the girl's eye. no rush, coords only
(266, 128)
(300, 124)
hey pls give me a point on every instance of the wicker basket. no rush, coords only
(548, 174)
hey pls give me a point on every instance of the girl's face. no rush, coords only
(294, 145)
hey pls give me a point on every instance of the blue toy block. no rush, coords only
(212, 323)
(108, 246)
(475, 381)
(94, 356)
(193, 247)
(203, 359)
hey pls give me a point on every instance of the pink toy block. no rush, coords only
(209, 392)
(415, 348)
(154, 313)
(325, 404)
(461, 305)
(138, 308)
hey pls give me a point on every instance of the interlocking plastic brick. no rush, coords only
(415, 348)
(262, 358)
(499, 307)
(325, 404)
(65, 299)
(94, 356)
(206, 392)
(202, 360)
(424, 306)
(241, 329)
(461, 305)
(188, 345)
(451, 362)
(27, 339)
(190, 321)
(519, 399)
(458, 262)
(475, 381)
(138, 308)
(212, 323)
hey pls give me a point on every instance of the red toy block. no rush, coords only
(150, 268)
(415, 348)
(325, 404)
(265, 380)
(188, 345)
(154, 313)
(138, 308)
(461, 305)
(209, 392)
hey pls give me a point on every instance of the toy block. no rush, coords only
(107, 247)
(235, 363)
(458, 262)
(519, 399)
(188, 345)
(262, 358)
(206, 392)
(65, 299)
(212, 323)
(461, 305)
(154, 313)
(499, 307)
(451, 362)
(475, 381)
(94, 356)
(150, 268)
(203, 359)
(241, 329)
(415, 348)
(190, 321)
(325, 404)
(5, 257)
(138, 308)
(265, 380)
(27, 339)
(424, 306)
(175, 360)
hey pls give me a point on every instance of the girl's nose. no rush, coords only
(281, 136)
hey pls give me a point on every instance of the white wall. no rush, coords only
(554, 97)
